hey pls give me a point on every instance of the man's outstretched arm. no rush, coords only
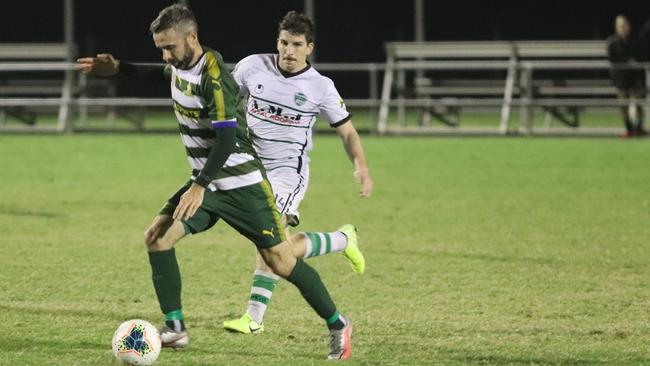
(105, 65)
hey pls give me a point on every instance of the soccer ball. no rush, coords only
(136, 342)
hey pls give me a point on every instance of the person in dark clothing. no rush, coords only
(644, 36)
(624, 52)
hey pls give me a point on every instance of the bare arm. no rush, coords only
(354, 149)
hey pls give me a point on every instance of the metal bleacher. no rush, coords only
(38, 78)
(22, 86)
(442, 79)
(81, 94)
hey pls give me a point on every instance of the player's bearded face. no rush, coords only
(186, 60)
(176, 50)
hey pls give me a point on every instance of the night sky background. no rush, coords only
(347, 31)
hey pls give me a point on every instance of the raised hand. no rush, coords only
(102, 65)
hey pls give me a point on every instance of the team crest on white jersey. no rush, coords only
(299, 98)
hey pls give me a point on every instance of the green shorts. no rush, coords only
(249, 210)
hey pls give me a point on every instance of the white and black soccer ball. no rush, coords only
(136, 342)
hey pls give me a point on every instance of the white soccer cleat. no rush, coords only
(170, 338)
(341, 343)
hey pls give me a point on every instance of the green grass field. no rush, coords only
(159, 119)
(481, 251)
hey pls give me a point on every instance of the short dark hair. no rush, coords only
(297, 24)
(175, 16)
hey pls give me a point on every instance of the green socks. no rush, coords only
(166, 280)
(174, 320)
(313, 290)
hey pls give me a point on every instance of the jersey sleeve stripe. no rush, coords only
(215, 73)
(342, 122)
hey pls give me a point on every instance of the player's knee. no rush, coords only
(260, 264)
(296, 238)
(148, 239)
(159, 240)
(279, 262)
(272, 260)
(298, 244)
(280, 269)
(160, 244)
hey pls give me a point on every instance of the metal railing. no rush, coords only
(375, 100)
(68, 98)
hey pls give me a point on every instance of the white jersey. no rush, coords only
(282, 108)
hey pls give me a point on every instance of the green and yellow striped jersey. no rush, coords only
(207, 98)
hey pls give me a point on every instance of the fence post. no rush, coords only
(372, 85)
(646, 107)
(526, 107)
(507, 96)
(385, 94)
(63, 124)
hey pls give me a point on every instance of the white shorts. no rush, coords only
(289, 186)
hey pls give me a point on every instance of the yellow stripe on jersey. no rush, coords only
(215, 73)
(266, 187)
